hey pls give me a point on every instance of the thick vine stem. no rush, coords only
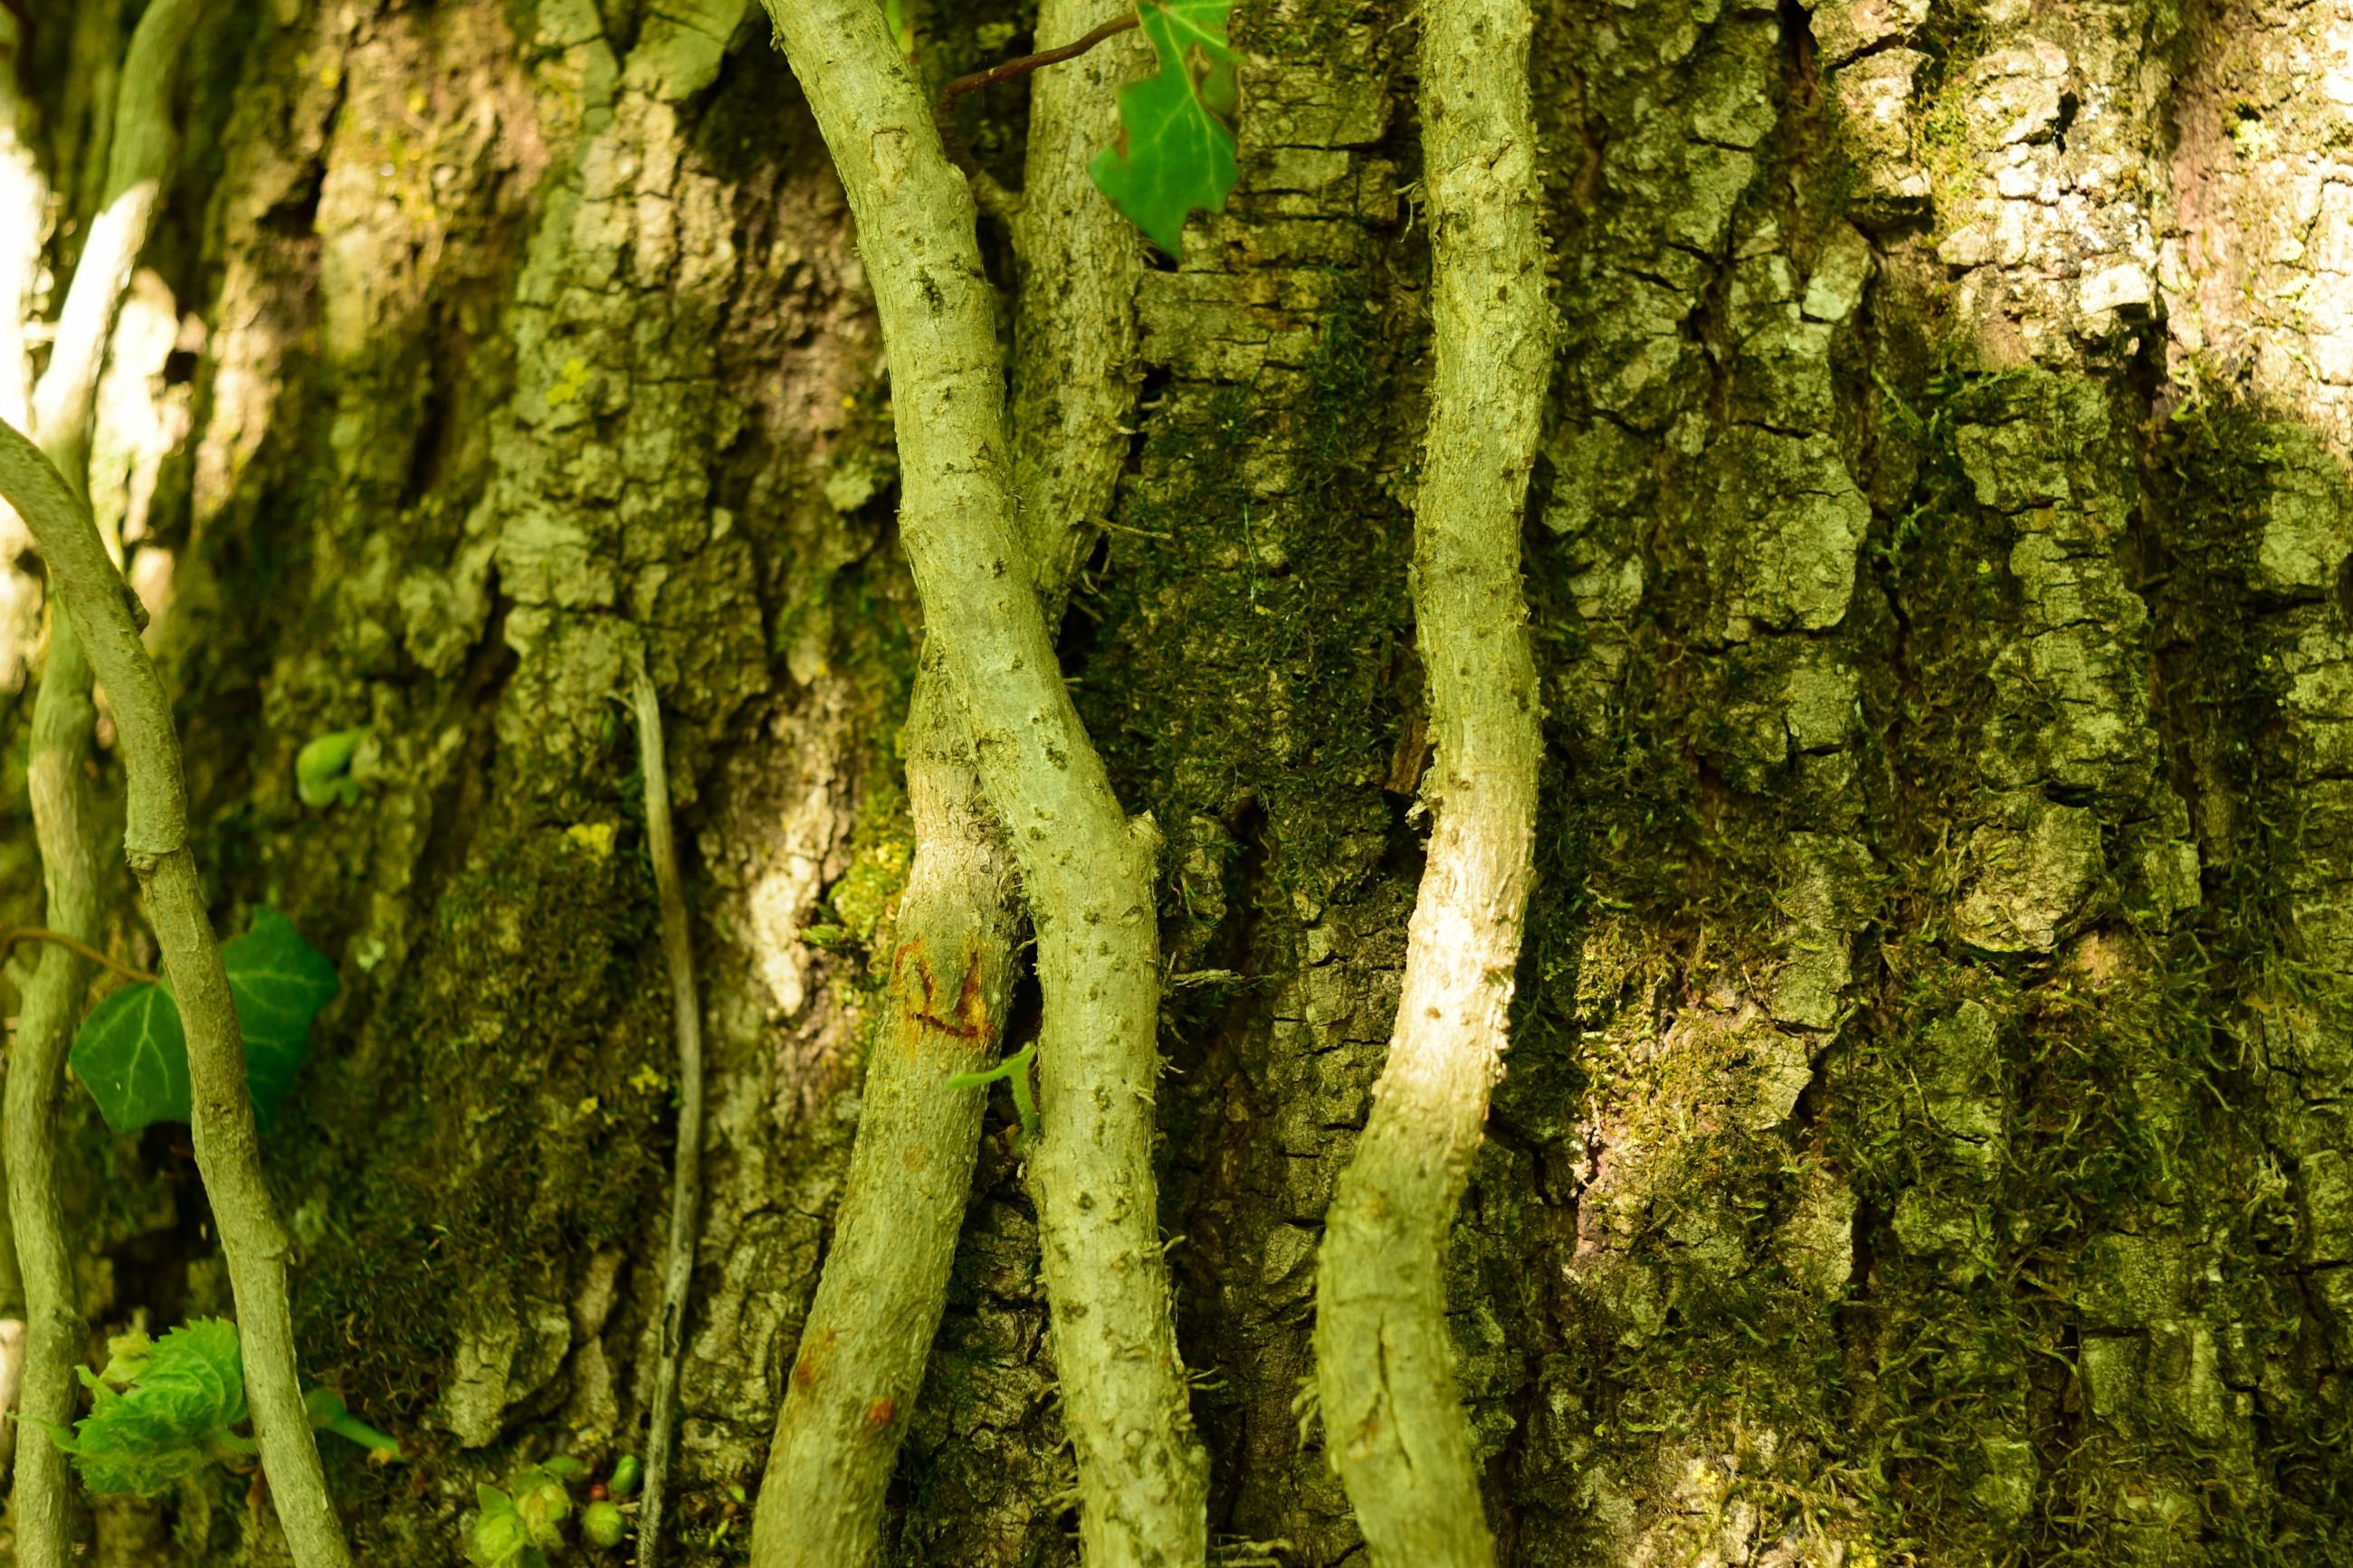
(1384, 1361)
(228, 1154)
(686, 1169)
(1086, 871)
(878, 1305)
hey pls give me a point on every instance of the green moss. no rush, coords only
(503, 1113)
(1253, 648)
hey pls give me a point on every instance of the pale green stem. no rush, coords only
(1087, 872)
(1384, 1364)
(877, 1304)
(65, 819)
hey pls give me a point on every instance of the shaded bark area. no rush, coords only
(1922, 1139)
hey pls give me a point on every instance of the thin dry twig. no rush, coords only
(943, 112)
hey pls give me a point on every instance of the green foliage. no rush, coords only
(161, 1410)
(520, 1523)
(323, 769)
(279, 984)
(499, 1537)
(133, 1056)
(1176, 147)
(131, 1052)
(602, 1526)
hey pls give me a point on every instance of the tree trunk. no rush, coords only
(1920, 1138)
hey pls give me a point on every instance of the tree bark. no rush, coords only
(1919, 1137)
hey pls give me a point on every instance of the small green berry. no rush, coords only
(601, 1524)
(625, 1476)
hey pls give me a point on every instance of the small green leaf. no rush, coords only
(542, 1503)
(321, 768)
(279, 982)
(174, 1418)
(126, 1358)
(1176, 147)
(133, 1055)
(1015, 1070)
(499, 1539)
(131, 1052)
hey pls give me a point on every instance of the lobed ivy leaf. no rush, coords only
(279, 984)
(175, 1416)
(131, 1052)
(133, 1055)
(1176, 147)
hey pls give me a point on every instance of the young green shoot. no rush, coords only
(1014, 1071)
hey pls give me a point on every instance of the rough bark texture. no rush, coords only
(1921, 1138)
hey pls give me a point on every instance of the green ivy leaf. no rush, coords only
(133, 1055)
(173, 1419)
(279, 982)
(1176, 147)
(131, 1052)
(542, 1503)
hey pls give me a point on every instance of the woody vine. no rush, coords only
(1015, 815)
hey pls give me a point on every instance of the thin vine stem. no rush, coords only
(66, 821)
(686, 1167)
(9, 939)
(943, 112)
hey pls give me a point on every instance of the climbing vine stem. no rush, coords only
(1087, 871)
(952, 946)
(154, 839)
(943, 112)
(9, 939)
(1385, 1365)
